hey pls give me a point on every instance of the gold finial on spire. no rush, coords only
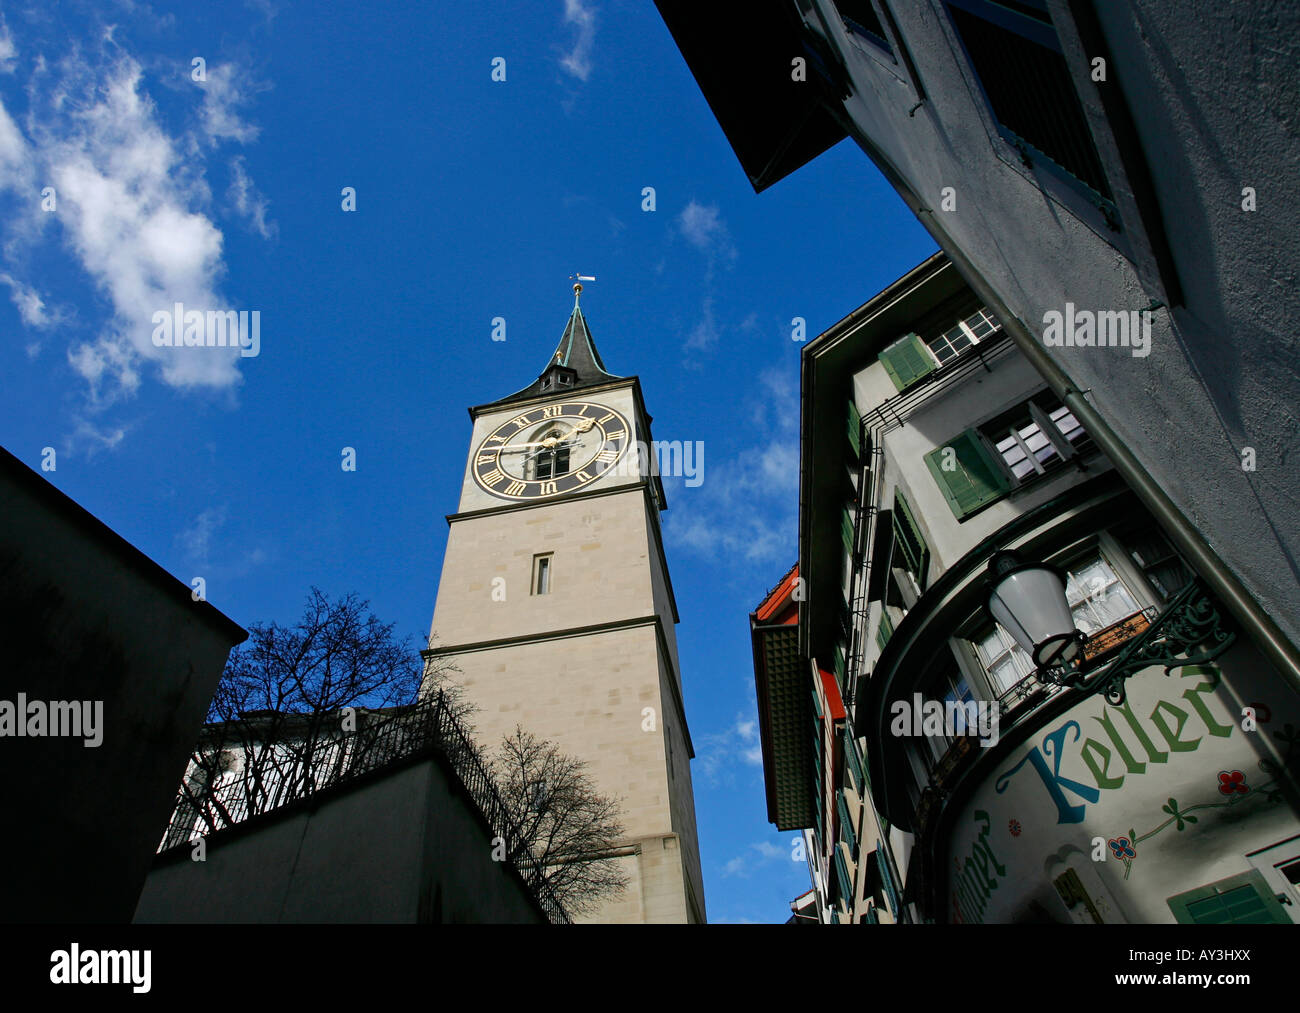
(577, 285)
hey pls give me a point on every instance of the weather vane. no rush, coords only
(578, 279)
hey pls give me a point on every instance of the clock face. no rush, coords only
(550, 449)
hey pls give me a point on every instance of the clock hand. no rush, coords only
(519, 447)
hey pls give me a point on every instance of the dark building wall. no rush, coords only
(84, 616)
(406, 846)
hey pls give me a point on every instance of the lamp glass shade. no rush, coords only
(1030, 603)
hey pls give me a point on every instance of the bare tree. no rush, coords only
(573, 830)
(288, 695)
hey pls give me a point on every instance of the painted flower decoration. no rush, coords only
(1232, 782)
(1122, 847)
(1014, 827)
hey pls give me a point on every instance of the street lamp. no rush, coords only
(1028, 600)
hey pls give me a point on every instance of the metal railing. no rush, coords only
(291, 771)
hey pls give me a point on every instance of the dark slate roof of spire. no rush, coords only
(575, 358)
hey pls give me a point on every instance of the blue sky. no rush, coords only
(475, 199)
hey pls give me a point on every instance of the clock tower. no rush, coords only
(556, 606)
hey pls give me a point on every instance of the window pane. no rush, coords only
(1065, 421)
(1097, 598)
(982, 323)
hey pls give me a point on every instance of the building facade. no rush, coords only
(1095, 172)
(556, 606)
(954, 779)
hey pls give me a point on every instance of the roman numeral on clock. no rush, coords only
(607, 456)
(515, 488)
(494, 477)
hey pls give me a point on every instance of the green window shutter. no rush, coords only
(846, 881)
(887, 879)
(885, 630)
(839, 663)
(846, 529)
(855, 433)
(855, 761)
(915, 551)
(975, 479)
(907, 360)
(846, 825)
(1244, 899)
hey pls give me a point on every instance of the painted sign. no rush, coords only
(1110, 810)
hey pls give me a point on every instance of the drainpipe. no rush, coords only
(1222, 581)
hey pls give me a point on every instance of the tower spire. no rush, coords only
(575, 363)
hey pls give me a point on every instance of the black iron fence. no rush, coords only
(247, 780)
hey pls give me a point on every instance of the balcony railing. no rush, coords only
(376, 744)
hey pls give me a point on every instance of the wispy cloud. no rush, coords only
(31, 306)
(248, 201)
(226, 88)
(757, 855)
(720, 751)
(577, 61)
(132, 207)
(195, 541)
(746, 508)
(702, 226)
(8, 51)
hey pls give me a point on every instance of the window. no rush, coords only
(1097, 597)
(1002, 658)
(1016, 54)
(985, 463)
(542, 574)
(962, 335)
(550, 463)
(1163, 568)
(1031, 444)
(949, 686)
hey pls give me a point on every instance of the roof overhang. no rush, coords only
(785, 708)
(741, 59)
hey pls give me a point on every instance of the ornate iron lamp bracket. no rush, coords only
(1190, 631)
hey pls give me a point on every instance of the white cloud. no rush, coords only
(703, 227)
(246, 199)
(719, 750)
(226, 89)
(705, 333)
(578, 60)
(130, 211)
(746, 507)
(15, 156)
(31, 307)
(758, 854)
(8, 52)
(196, 540)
